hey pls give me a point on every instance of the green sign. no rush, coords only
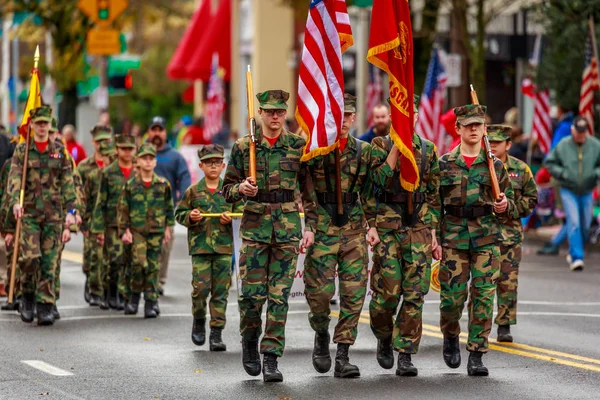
(363, 3)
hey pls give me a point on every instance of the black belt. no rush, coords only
(468, 211)
(402, 197)
(275, 196)
(331, 198)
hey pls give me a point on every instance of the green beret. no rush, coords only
(273, 100)
(470, 114)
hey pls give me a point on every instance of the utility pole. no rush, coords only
(362, 68)
(5, 93)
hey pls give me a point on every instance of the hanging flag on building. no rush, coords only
(320, 109)
(215, 101)
(374, 92)
(429, 124)
(34, 100)
(391, 49)
(542, 122)
(589, 81)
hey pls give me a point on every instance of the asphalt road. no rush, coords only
(95, 354)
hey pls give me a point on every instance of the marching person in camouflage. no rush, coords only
(402, 259)
(210, 243)
(100, 134)
(49, 191)
(145, 221)
(104, 220)
(470, 233)
(339, 246)
(7, 229)
(270, 230)
(98, 265)
(525, 198)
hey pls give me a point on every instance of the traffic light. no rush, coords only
(122, 82)
(103, 7)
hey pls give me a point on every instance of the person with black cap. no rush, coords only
(172, 166)
(576, 168)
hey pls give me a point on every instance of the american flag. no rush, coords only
(320, 108)
(589, 81)
(431, 106)
(374, 91)
(542, 124)
(215, 102)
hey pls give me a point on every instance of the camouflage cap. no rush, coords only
(580, 124)
(499, 133)
(146, 149)
(211, 151)
(125, 141)
(416, 103)
(107, 148)
(101, 132)
(470, 114)
(349, 103)
(43, 113)
(273, 100)
(54, 126)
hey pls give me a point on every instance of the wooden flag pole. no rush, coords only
(16, 239)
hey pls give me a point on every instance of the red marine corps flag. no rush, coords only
(391, 49)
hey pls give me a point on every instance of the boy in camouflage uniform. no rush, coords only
(270, 231)
(523, 184)
(210, 242)
(470, 233)
(104, 220)
(49, 191)
(100, 134)
(339, 245)
(402, 259)
(145, 221)
(7, 230)
(98, 264)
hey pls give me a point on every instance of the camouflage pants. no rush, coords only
(97, 267)
(9, 255)
(145, 251)
(165, 254)
(211, 275)
(349, 254)
(401, 269)
(57, 273)
(89, 246)
(4, 261)
(482, 266)
(510, 257)
(267, 273)
(38, 257)
(115, 253)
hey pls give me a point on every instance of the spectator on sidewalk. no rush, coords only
(381, 123)
(563, 128)
(172, 166)
(575, 164)
(74, 148)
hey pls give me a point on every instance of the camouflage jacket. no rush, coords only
(317, 219)
(146, 209)
(207, 236)
(4, 208)
(277, 167)
(463, 186)
(112, 183)
(523, 184)
(49, 188)
(90, 193)
(85, 169)
(389, 215)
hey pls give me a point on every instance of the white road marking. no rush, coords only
(47, 368)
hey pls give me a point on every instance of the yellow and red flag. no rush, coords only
(34, 100)
(391, 49)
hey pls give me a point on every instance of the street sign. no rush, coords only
(102, 12)
(103, 42)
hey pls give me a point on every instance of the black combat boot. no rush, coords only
(199, 331)
(504, 334)
(104, 301)
(156, 308)
(250, 357)
(120, 302)
(14, 306)
(149, 311)
(343, 368)
(113, 297)
(44, 314)
(86, 291)
(55, 312)
(475, 366)
(451, 352)
(131, 308)
(215, 340)
(321, 358)
(26, 308)
(270, 371)
(385, 353)
(405, 366)
(95, 300)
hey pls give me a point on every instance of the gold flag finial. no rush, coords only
(36, 56)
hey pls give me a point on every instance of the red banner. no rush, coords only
(391, 49)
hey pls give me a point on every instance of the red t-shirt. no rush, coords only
(212, 190)
(343, 143)
(469, 160)
(126, 171)
(147, 184)
(272, 141)
(41, 146)
(100, 163)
